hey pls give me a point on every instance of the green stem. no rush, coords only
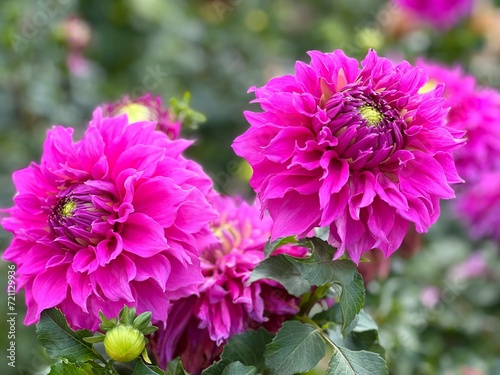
(318, 295)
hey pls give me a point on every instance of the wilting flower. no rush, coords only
(227, 305)
(117, 218)
(357, 149)
(146, 108)
(442, 14)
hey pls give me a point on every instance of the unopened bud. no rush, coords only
(124, 343)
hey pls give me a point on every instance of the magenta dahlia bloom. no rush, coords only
(441, 14)
(356, 149)
(474, 111)
(117, 218)
(146, 108)
(478, 207)
(226, 304)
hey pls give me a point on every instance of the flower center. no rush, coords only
(429, 86)
(74, 217)
(68, 208)
(136, 112)
(366, 126)
(372, 115)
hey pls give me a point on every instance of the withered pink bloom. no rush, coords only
(146, 108)
(227, 305)
(441, 14)
(117, 218)
(356, 149)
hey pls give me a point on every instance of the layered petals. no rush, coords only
(96, 224)
(360, 148)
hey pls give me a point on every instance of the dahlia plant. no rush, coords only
(345, 158)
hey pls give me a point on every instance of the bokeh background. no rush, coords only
(438, 308)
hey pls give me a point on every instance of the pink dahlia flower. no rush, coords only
(226, 304)
(474, 111)
(114, 219)
(442, 14)
(146, 108)
(478, 207)
(357, 149)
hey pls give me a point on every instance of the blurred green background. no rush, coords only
(54, 70)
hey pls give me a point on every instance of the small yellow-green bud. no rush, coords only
(124, 343)
(136, 112)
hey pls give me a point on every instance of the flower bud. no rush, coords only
(124, 343)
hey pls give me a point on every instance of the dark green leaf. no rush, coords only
(216, 368)
(271, 246)
(320, 269)
(347, 362)
(351, 301)
(238, 368)
(78, 368)
(174, 367)
(296, 348)
(247, 348)
(62, 342)
(282, 270)
(142, 369)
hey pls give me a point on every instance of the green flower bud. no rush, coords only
(124, 343)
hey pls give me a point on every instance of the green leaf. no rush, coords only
(320, 269)
(297, 347)
(69, 368)
(238, 368)
(142, 369)
(247, 348)
(351, 301)
(281, 269)
(347, 362)
(271, 246)
(216, 368)
(174, 367)
(62, 342)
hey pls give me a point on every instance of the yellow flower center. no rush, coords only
(68, 208)
(372, 115)
(429, 86)
(135, 112)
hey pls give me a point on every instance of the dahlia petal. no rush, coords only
(424, 176)
(157, 198)
(143, 236)
(31, 180)
(114, 279)
(157, 268)
(142, 158)
(29, 203)
(81, 288)
(152, 299)
(49, 288)
(109, 249)
(282, 147)
(362, 194)
(85, 260)
(335, 176)
(294, 214)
